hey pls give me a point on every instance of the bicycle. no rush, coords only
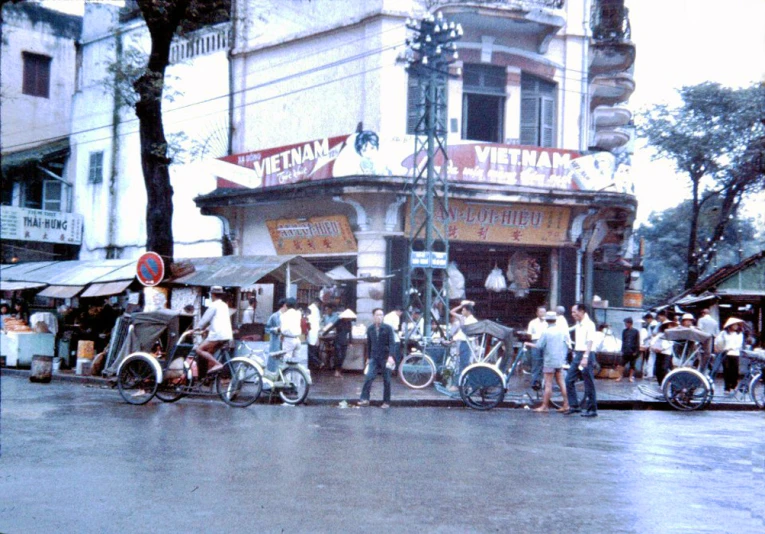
(290, 380)
(172, 376)
(441, 360)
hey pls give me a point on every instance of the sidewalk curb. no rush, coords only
(326, 400)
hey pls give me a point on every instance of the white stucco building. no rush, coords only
(109, 189)
(534, 116)
(36, 87)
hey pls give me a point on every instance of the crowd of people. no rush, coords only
(552, 342)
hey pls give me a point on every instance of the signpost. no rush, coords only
(150, 269)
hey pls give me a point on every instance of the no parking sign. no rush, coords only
(150, 269)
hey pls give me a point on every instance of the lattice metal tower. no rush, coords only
(432, 49)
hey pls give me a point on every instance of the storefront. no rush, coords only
(542, 216)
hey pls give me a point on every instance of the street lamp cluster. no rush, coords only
(434, 42)
(432, 48)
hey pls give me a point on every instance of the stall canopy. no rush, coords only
(67, 279)
(18, 286)
(61, 292)
(244, 271)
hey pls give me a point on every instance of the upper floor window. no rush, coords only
(537, 111)
(36, 75)
(483, 103)
(42, 195)
(96, 168)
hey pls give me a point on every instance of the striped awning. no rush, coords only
(60, 292)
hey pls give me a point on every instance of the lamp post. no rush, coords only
(432, 49)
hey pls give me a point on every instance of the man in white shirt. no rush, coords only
(562, 323)
(290, 329)
(314, 325)
(708, 324)
(393, 319)
(582, 364)
(536, 326)
(217, 321)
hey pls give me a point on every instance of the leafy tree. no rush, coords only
(164, 19)
(665, 236)
(715, 139)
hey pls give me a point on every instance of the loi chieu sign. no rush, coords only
(25, 224)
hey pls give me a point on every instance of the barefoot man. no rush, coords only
(553, 344)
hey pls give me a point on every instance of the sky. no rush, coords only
(678, 42)
(687, 42)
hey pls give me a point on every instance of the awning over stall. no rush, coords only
(67, 279)
(18, 286)
(107, 289)
(61, 292)
(244, 271)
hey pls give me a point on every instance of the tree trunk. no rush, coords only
(156, 175)
(162, 18)
(691, 258)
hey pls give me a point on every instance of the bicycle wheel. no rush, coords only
(686, 389)
(757, 390)
(417, 370)
(137, 381)
(296, 386)
(170, 393)
(239, 383)
(481, 387)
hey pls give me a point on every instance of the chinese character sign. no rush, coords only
(318, 235)
(521, 224)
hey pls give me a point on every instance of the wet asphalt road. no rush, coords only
(78, 459)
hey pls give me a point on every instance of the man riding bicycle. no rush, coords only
(217, 320)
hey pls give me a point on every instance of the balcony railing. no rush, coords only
(550, 4)
(610, 22)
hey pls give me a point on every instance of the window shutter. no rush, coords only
(36, 76)
(415, 103)
(548, 122)
(96, 168)
(529, 120)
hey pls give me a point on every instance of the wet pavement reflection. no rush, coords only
(78, 459)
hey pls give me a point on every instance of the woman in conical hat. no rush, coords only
(729, 343)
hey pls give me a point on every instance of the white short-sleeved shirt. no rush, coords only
(536, 327)
(219, 320)
(585, 332)
(291, 323)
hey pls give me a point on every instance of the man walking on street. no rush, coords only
(536, 327)
(380, 351)
(582, 365)
(630, 348)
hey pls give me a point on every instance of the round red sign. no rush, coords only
(150, 269)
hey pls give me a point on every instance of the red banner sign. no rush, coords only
(366, 154)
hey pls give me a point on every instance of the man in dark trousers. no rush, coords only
(380, 344)
(630, 348)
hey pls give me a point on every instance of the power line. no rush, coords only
(319, 68)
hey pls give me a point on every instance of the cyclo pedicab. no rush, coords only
(173, 374)
(690, 385)
(499, 372)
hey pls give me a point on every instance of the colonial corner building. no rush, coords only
(297, 122)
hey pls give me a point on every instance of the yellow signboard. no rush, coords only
(318, 235)
(520, 224)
